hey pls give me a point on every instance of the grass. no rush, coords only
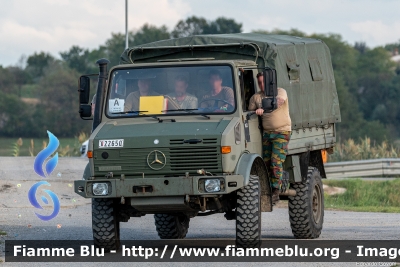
(367, 196)
(2, 232)
(363, 149)
(9, 145)
(29, 91)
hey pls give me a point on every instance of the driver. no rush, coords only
(133, 99)
(217, 92)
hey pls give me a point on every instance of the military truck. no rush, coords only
(157, 157)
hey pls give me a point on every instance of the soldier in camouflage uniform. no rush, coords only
(276, 134)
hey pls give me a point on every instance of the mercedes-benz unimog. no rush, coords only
(149, 153)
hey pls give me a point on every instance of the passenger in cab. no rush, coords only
(217, 93)
(180, 99)
(133, 99)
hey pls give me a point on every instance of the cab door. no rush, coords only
(252, 131)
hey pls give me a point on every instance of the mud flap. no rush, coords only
(266, 197)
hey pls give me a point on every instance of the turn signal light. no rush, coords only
(324, 154)
(90, 154)
(225, 149)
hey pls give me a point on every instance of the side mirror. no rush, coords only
(269, 103)
(85, 111)
(84, 90)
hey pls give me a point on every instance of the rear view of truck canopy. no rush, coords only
(303, 67)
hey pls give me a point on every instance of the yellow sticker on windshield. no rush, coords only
(151, 104)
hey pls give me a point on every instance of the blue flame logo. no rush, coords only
(44, 154)
(50, 166)
(35, 203)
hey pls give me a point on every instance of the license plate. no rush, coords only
(111, 143)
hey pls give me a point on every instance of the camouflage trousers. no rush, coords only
(275, 149)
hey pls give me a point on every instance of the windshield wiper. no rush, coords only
(127, 112)
(139, 112)
(189, 111)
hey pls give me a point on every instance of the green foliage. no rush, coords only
(223, 25)
(393, 47)
(37, 63)
(149, 33)
(14, 115)
(77, 58)
(29, 90)
(197, 25)
(191, 26)
(361, 195)
(57, 111)
(114, 48)
(365, 149)
(6, 80)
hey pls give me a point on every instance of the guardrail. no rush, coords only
(363, 168)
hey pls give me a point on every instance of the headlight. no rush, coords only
(212, 185)
(100, 189)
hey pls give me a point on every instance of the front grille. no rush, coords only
(179, 159)
(209, 141)
(206, 141)
(176, 141)
(194, 158)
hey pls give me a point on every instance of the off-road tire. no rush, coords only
(248, 214)
(306, 209)
(171, 226)
(105, 224)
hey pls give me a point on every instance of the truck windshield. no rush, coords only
(171, 91)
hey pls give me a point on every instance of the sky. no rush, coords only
(53, 26)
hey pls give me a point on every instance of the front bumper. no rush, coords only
(158, 187)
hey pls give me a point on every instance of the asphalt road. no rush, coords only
(18, 221)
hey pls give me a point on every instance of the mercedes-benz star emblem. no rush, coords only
(156, 160)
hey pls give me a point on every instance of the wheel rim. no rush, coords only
(317, 203)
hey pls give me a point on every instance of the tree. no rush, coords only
(148, 34)
(379, 97)
(191, 26)
(20, 77)
(37, 63)
(6, 80)
(196, 25)
(393, 48)
(59, 106)
(361, 47)
(115, 46)
(223, 25)
(14, 115)
(78, 58)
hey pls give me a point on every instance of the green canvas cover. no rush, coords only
(303, 67)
